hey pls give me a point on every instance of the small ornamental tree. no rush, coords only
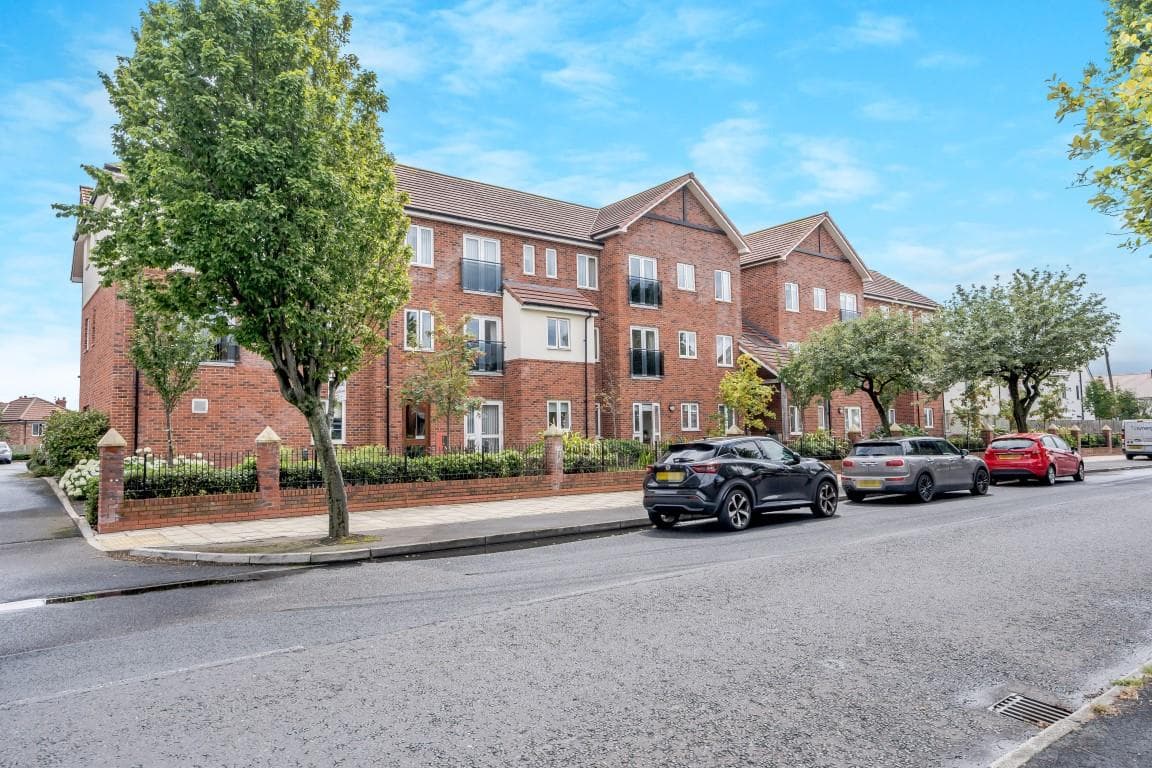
(1116, 104)
(252, 174)
(1050, 406)
(1128, 406)
(968, 409)
(880, 355)
(167, 349)
(1100, 400)
(443, 379)
(745, 392)
(1020, 332)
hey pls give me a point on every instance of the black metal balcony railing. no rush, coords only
(647, 362)
(226, 350)
(849, 314)
(644, 292)
(491, 358)
(483, 276)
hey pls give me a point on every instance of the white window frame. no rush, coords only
(550, 263)
(851, 299)
(689, 417)
(727, 417)
(559, 323)
(559, 413)
(421, 257)
(340, 396)
(929, 418)
(474, 434)
(891, 415)
(792, 297)
(637, 266)
(681, 337)
(587, 267)
(822, 422)
(422, 333)
(820, 299)
(794, 420)
(87, 333)
(728, 348)
(853, 416)
(885, 310)
(723, 281)
(37, 429)
(686, 277)
(529, 259)
(595, 343)
(638, 410)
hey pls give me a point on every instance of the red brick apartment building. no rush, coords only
(617, 321)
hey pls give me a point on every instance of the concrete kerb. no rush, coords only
(1074, 722)
(81, 521)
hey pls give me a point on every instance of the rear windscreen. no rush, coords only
(681, 454)
(1012, 444)
(878, 449)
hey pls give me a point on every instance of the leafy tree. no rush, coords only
(253, 175)
(1128, 406)
(880, 355)
(1116, 104)
(1100, 399)
(4, 433)
(70, 437)
(745, 392)
(443, 379)
(969, 407)
(1050, 405)
(1020, 332)
(167, 349)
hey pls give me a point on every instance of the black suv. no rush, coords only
(732, 478)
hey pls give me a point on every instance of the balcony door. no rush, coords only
(643, 287)
(486, 332)
(481, 270)
(646, 422)
(646, 360)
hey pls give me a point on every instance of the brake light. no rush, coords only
(894, 463)
(709, 468)
(848, 463)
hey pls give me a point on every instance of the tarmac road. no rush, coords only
(875, 638)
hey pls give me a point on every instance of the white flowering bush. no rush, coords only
(75, 481)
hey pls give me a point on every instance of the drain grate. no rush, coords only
(1030, 711)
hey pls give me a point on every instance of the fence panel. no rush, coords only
(150, 476)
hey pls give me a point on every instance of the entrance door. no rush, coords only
(646, 422)
(415, 429)
(484, 428)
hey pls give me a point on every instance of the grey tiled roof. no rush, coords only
(549, 296)
(885, 288)
(624, 211)
(28, 409)
(764, 347)
(778, 241)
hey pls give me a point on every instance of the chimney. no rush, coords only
(62, 402)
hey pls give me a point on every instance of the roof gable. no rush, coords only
(28, 409)
(776, 243)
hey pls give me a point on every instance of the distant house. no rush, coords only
(25, 416)
(1140, 384)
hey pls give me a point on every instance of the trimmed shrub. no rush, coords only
(821, 445)
(75, 482)
(70, 437)
(92, 501)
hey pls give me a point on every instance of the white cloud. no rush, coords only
(890, 110)
(947, 60)
(874, 29)
(832, 171)
(388, 49)
(727, 158)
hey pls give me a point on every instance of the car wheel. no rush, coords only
(1050, 475)
(1079, 476)
(1129, 456)
(980, 482)
(663, 519)
(925, 487)
(827, 497)
(855, 496)
(736, 510)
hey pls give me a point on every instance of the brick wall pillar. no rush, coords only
(112, 448)
(268, 470)
(1107, 430)
(554, 456)
(853, 437)
(1076, 437)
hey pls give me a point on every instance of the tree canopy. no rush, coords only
(1116, 104)
(252, 173)
(443, 378)
(745, 392)
(1022, 331)
(880, 355)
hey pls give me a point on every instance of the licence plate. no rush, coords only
(869, 483)
(1006, 456)
(669, 477)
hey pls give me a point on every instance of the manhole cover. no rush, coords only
(1030, 711)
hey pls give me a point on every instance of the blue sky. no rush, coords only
(922, 127)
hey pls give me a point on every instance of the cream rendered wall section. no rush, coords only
(91, 279)
(526, 333)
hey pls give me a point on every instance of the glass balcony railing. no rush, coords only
(647, 362)
(482, 276)
(848, 314)
(491, 358)
(644, 292)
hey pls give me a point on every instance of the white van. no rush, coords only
(1137, 437)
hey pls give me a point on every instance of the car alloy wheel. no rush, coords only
(736, 510)
(980, 482)
(1079, 476)
(1050, 475)
(827, 497)
(663, 519)
(925, 487)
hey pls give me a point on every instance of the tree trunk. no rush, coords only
(330, 470)
(1108, 367)
(880, 409)
(168, 430)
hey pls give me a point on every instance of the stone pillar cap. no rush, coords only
(267, 436)
(553, 431)
(733, 430)
(112, 439)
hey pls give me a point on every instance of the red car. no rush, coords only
(1032, 456)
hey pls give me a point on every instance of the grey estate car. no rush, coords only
(920, 466)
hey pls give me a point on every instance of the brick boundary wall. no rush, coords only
(136, 514)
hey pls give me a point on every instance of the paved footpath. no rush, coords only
(1121, 740)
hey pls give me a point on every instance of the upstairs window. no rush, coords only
(550, 262)
(418, 329)
(820, 299)
(792, 297)
(686, 277)
(724, 351)
(587, 272)
(558, 333)
(723, 285)
(529, 259)
(420, 241)
(688, 344)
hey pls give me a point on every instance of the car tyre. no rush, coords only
(735, 510)
(1079, 476)
(663, 520)
(855, 496)
(980, 482)
(1050, 475)
(1129, 456)
(827, 497)
(925, 488)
